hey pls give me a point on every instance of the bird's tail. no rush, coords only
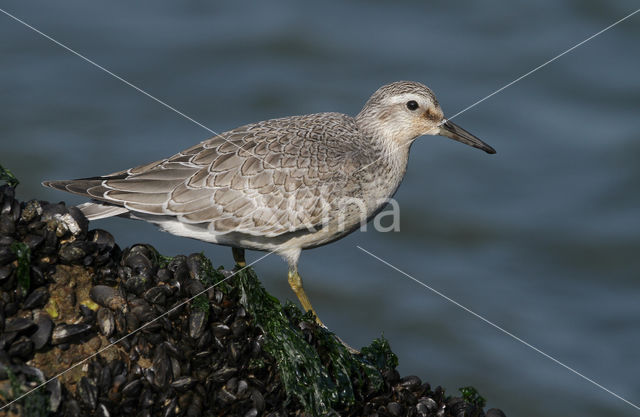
(97, 210)
(92, 188)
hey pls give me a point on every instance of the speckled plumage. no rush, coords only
(281, 185)
(266, 179)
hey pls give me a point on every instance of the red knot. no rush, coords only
(279, 185)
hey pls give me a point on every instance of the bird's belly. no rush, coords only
(351, 213)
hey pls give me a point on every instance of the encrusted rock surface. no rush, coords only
(134, 333)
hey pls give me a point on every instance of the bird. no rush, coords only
(280, 185)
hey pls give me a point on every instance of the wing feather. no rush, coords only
(270, 178)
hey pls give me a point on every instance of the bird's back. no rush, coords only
(263, 179)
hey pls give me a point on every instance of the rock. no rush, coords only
(107, 297)
(106, 322)
(42, 335)
(18, 325)
(64, 333)
(212, 353)
(36, 299)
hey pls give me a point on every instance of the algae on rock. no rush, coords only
(183, 337)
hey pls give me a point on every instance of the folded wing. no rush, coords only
(266, 179)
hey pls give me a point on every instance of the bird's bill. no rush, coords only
(455, 132)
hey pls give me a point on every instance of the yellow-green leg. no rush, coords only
(296, 285)
(238, 256)
(295, 281)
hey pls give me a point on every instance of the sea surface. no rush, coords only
(530, 258)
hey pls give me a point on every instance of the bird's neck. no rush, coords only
(390, 145)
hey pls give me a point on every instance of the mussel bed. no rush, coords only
(113, 326)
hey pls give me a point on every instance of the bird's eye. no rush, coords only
(412, 105)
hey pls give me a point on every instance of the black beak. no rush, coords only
(455, 132)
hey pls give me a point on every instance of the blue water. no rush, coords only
(541, 239)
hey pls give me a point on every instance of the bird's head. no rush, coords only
(404, 110)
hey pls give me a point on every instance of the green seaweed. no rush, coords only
(256, 364)
(379, 353)
(315, 367)
(8, 177)
(341, 364)
(36, 404)
(163, 260)
(201, 302)
(300, 366)
(23, 273)
(471, 395)
(210, 276)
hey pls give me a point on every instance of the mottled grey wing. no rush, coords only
(265, 179)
